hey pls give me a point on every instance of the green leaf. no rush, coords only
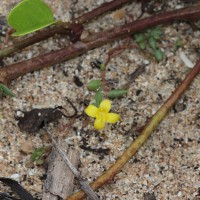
(98, 98)
(156, 33)
(94, 85)
(178, 44)
(37, 154)
(29, 16)
(6, 91)
(139, 37)
(158, 55)
(117, 93)
(142, 45)
(152, 43)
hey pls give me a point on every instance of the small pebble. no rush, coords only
(26, 147)
(16, 177)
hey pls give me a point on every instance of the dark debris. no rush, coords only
(34, 120)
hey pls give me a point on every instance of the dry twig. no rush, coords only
(83, 183)
(60, 180)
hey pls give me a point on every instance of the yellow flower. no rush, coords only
(102, 114)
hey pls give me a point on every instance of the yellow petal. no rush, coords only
(105, 105)
(91, 110)
(112, 118)
(99, 124)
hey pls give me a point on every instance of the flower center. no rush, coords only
(101, 114)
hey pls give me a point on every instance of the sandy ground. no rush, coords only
(168, 164)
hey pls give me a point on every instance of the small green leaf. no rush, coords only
(158, 55)
(156, 33)
(142, 45)
(139, 37)
(152, 43)
(117, 93)
(37, 155)
(29, 16)
(98, 98)
(94, 85)
(178, 44)
(6, 91)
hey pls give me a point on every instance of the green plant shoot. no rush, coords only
(29, 16)
(94, 85)
(150, 39)
(6, 91)
(98, 98)
(37, 155)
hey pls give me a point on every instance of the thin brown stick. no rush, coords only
(61, 28)
(60, 180)
(11, 72)
(83, 183)
(147, 131)
(102, 9)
